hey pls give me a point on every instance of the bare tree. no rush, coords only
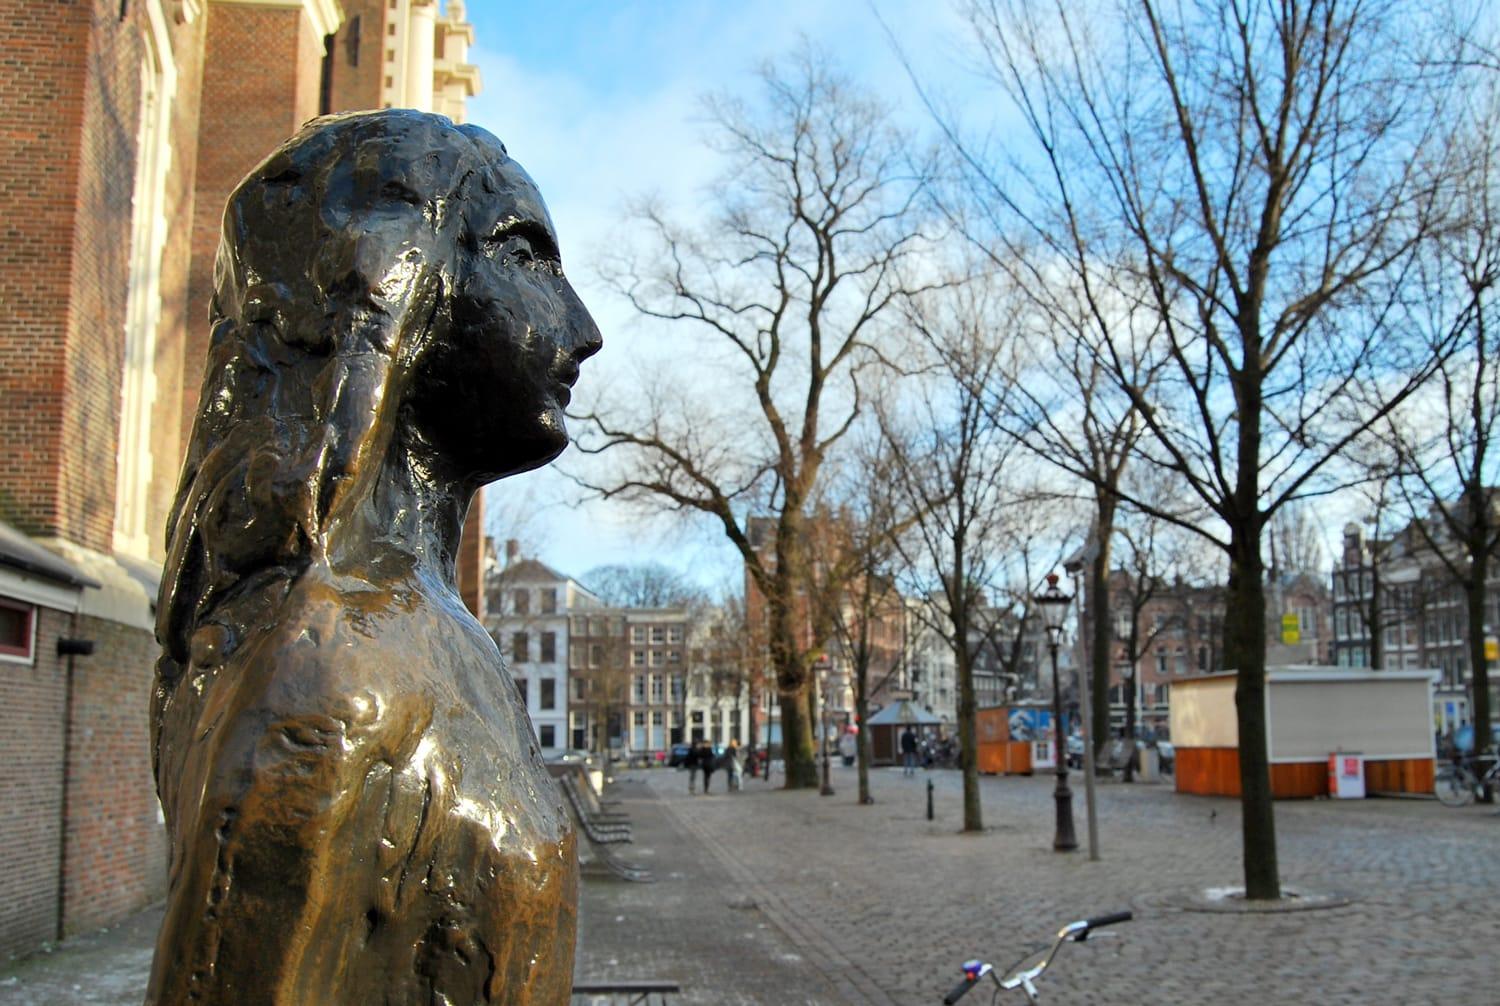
(1262, 174)
(784, 290)
(954, 467)
(854, 558)
(643, 585)
(1446, 440)
(1295, 542)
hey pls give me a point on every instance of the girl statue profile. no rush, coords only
(357, 810)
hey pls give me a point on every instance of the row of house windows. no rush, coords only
(657, 633)
(547, 694)
(520, 647)
(521, 601)
(1155, 695)
(657, 688)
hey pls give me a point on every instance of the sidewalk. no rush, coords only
(775, 897)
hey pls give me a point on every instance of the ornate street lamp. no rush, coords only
(1127, 671)
(1053, 605)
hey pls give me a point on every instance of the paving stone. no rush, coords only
(791, 898)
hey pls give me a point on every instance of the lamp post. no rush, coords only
(826, 789)
(1053, 604)
(1127, 671)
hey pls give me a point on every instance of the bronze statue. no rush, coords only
(357, 809)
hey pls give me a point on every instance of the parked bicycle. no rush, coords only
(1459, 782)
(1024, 973)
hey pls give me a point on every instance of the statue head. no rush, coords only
(388, 291)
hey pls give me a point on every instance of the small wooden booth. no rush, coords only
(887, 726)
(1383, 718)
(1014, 739)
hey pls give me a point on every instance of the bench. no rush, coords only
(1115, 756)
(624, 993)
(600, 829)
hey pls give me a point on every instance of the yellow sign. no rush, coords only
(1491, 649)
(1291, 630)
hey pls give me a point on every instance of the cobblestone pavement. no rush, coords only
(893, 903)
(775, 897)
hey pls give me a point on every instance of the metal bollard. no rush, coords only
(929, 799)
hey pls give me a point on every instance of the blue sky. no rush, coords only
(599, 101)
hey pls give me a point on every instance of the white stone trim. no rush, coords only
(38, 591)
(120, 596)
(134, 463)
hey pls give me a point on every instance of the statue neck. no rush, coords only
(403, 523)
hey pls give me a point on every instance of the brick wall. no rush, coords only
(116, 850)
(31, 744)
(357, 82)
(471, 558)
(262, 69)
(43, 52)
(116, 846)
(100, 283)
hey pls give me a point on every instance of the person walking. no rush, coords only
(731, 765)
(908, 751)
(690, 762)
(706, 761)
(848, 747)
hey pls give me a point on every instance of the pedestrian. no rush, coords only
(706, 761)
(908, 751)
(730, 763)
(848, 747)
(690, 762)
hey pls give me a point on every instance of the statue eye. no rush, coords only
(516, 248)
(523, 243)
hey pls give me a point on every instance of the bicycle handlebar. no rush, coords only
(959, 990)
(1100, 921)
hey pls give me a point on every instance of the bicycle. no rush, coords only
(1457, 783)
(1024, 973)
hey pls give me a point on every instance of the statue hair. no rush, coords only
(316, 322)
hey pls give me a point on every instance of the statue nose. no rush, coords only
(585, 335)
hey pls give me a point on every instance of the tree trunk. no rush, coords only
(797, 739)
(1475, 597)
(1100, 631)
(1130, 687)
(789, 663)
(968, 753)
(862, 740)
(1245, 650)
(1376, 620)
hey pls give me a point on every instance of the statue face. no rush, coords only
(492, 393)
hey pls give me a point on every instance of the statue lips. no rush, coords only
(565, 371)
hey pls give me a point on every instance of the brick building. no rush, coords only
(123, 126)
(1398, 590)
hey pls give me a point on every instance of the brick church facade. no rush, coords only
(124, 124)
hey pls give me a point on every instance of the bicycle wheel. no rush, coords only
(1454, 787)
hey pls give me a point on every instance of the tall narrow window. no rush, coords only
(520, 646)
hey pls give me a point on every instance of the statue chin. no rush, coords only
(357, 809)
